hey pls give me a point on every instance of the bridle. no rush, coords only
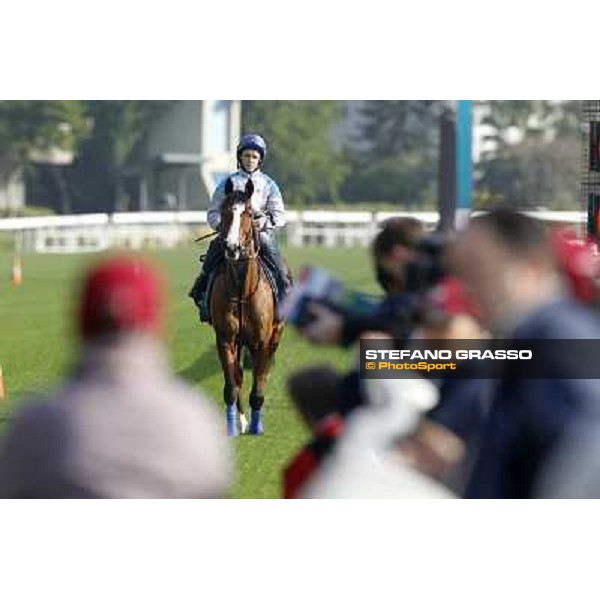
(250, 249)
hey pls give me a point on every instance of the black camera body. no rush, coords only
(423, 270)
(427, 267)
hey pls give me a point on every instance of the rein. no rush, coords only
(206, 236)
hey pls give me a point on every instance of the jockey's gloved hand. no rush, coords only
(261, 220)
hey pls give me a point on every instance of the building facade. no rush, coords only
(183, 156)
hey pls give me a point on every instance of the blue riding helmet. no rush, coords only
(252, 141)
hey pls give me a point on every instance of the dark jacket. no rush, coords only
(463, 407)
(529, 417)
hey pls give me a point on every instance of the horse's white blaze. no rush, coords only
(233, 235)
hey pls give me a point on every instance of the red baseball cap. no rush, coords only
(120, 294)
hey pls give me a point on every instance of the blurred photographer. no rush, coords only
(407, 267)
(517, 277)
(408, 264)
(392, 250)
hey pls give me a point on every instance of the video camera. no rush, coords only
(423, 271)
(427, 267)
(317, 285)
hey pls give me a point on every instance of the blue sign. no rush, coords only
(464, 161)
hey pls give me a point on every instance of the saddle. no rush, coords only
(268, 269)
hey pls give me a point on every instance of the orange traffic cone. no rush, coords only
(17, 271)
(2, 391)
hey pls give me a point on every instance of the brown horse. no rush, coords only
(243, 310)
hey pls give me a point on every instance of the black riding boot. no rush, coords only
(198, 291)
(271, 253)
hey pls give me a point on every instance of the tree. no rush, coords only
(29, 126)
(408, 181)
(301, 157)
(33, 127)
(394, 127)
(117, 125)
(535, 173)
(394, 158)
(540, 166)
(530, 119)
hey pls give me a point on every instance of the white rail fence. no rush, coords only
(95, 232)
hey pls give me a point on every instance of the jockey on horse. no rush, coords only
(269, 214)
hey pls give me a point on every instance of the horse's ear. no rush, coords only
(249, 189)
(228, 186)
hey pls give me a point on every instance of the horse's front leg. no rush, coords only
(232, 386)
(239, 379)
(261, 357)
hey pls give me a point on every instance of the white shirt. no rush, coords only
(266, 198)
